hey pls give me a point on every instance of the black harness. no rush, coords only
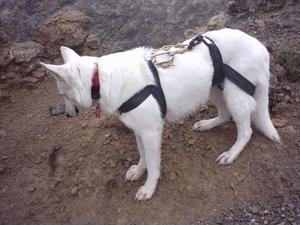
(140, 96)
(221, 71)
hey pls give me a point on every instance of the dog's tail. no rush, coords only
(261, 117)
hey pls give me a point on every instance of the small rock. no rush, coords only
(248, 215)
(97, 171)
(31, 189)
(84, 125)
(187, 149)
(57, 109)
(192, 142)
(112, 164)
(260, 23)
(254, 210)
(172, 175)
(33, 80)
(191, 191)
(291, 205)
(74, 190)
(261, 213)
(240, 178)
(280, 122)
(181, 122)
(52, 187)
(119, 210)
(2, 169)
(3, 133)
(279, 71)
(264, 147)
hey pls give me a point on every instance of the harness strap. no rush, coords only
(239, 80)
(143, 94)
(222, 70)
(158, 92)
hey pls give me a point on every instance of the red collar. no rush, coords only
(95, 90)
(96, 83)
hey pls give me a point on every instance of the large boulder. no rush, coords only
(67, 27)
(19, 62)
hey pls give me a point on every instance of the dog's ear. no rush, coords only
(58, 72)
(68, 54)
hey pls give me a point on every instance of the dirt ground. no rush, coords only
(59, 170)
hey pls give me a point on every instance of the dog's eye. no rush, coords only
(76, 109)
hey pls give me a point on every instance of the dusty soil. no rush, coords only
(59, 170)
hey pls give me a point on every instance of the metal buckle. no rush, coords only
(170, 53)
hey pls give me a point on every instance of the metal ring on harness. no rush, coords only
(170, 53)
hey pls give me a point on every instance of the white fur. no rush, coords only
(186, 86)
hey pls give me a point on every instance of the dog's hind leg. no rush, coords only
(241, 106)
(136, 171)
(216, 97)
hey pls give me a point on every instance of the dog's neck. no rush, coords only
(95, 90)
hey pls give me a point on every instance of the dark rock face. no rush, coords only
(118, 24)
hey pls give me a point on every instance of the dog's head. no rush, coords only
(70, 81)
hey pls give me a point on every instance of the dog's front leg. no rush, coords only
(136, 171)
(151, 141)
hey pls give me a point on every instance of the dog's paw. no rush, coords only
(144, 193)
(204, 125)
(134, 173)
(226, 158)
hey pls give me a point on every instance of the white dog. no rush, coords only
(186, 85)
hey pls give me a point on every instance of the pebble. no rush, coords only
(3, 133)
(280, 122)
(97, 171)
(254, 210)
(2, 169)
(52, 187)
(119, 210)
(74, 190)
(249, 215)
(84, 125)
(192, 142)
(172, 175)
(31, 189)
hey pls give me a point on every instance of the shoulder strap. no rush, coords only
(136, 99)
(239, 80)
(158, 93)
(143, 94)
(215, 55)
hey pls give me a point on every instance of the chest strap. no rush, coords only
(143, 94)
(222, 70)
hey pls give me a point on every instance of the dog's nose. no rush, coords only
(68, 115)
